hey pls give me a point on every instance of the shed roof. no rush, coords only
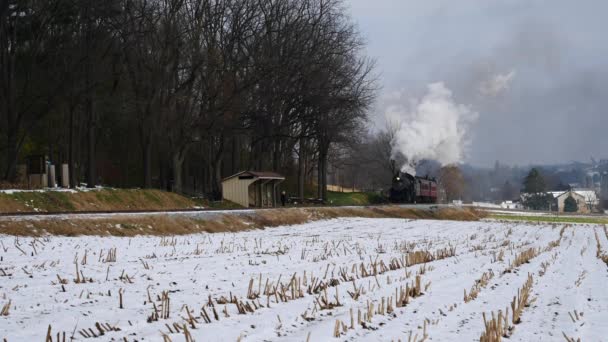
(256, 174)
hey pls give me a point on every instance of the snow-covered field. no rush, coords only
(355, 277)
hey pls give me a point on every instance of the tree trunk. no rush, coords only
(147, 163)
(301, 170)
(258, 156)
(209, 181)
(91, 177)
(324, 187)
(217, 180)
(235, 155)
(320, 178)
(322, 172)
(10, 108)
(71, 168)
(91, 155)
(276, 154)
(11, 155)
(217, 169)
(178, 162)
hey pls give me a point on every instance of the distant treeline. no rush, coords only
(178, 94)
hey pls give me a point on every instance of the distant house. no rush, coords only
(511, 205)
(501, 205)
(586, 200)
(252, 188)
(591, 198)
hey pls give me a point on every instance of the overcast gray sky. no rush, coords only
(554, 107)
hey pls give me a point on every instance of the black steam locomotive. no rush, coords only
(413, 189)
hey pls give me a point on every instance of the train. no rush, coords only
(407, 188)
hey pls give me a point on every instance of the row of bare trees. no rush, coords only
(180, 93)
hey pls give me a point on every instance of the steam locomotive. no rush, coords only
(413, 189)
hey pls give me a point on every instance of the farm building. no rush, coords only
(585, 199)
(252, 188)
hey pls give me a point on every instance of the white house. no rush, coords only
(511, 205)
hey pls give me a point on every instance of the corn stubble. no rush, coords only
(501, 326)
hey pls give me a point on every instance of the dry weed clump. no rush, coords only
(281, 292)
(177, 328)
(339, 328)
(522, 300)
(570, 339)
(576, 317)
(161, 311)
(496, 328)
(543, 268)
(499, 326)
(111, 256)
(557, 242)
(421, 257)
(60, 337)
(480, 283)
(498, 257)
(404, 295)
(600, 254)
(522, 258)
(101, 329)
(386, 306)
(325, 303)
(80, 278)
(415, 337)
(6, 309)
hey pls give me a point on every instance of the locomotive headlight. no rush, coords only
(398, 179)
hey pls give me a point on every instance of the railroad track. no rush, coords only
(192, 211)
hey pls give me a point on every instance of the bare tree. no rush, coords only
(452, 182)
(31, 38)
(201, 88)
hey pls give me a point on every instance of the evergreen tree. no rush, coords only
(538, 201)
(534, 182)
(570, 205)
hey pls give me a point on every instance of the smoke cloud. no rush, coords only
(434, 127)
(496, 84)
(557, 90)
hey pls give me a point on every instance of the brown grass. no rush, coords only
(96, 200)
(125, 225)
(9, 205)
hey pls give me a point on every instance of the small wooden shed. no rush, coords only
(252, 188)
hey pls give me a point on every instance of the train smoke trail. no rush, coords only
(496, 84)
(435, 128)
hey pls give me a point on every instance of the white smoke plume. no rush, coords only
(496, 84)
(434, 127)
